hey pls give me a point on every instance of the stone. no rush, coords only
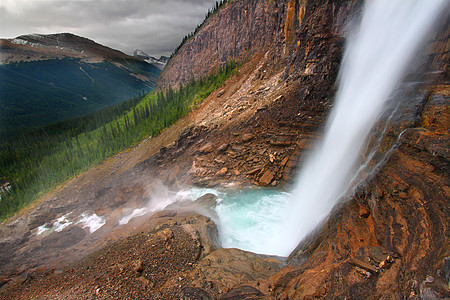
(65, 238)
(378, 254)
(222, 147)
(363, 272)
(284, 161)
(207, 148)
(219, 161)
(220, 93)
(138, 266)
(266, 178)
(271, 157)
(281, 141)
(208, 200)
(278, 98)
(253, 171)
(164, 214)
(242, 292)
(222, 172)
(247, 137)
(228, 268)
(403, 195)
(166, 235)
(146, 282)
(363, 265)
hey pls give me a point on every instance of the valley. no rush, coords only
(249, 129)
(48, 78)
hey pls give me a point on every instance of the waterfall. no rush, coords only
(374, 63)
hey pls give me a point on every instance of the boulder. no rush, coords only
(222, 171)
(207, 148)
(65, 238)
(242, 292)
(223, 147)
(363, 265)
(220, 93)
(228, 268)
(169, 213)
(247, 137)
(378, 254)
(208, 200)
(266, 178)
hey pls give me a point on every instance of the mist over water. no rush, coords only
(250, 219)
(375, 61)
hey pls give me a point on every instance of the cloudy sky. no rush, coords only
(154, 26)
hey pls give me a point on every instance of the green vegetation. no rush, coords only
(41, 92)
(38, 160)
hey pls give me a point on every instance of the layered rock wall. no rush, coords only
(388, 240)
(243, 29)
(239, 29)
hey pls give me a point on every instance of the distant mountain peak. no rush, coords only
(157, 62)
(49, 39)
(32, 47)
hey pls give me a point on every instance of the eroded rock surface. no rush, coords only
(389, 240)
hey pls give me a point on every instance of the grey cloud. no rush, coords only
(154, 26)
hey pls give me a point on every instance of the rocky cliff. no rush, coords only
(391, 237)
(242, 30)
(235, 31)
(388, 240)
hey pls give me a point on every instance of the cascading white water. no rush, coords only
(374, 63)
(375, 60)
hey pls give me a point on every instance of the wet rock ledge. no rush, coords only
(175, 258)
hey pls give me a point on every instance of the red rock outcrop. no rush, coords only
(389, 239)
(242, 29)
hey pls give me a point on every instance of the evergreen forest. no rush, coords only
(37, 93)
(37, 160)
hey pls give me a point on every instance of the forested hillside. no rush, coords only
(38, 159)
(55, 77)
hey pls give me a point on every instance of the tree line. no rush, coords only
(217, 6)
(36, 161)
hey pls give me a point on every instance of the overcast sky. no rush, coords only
(154, 26)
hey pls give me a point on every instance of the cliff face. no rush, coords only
(243, 29)
(387, 240)
(391, 236)
(237, 30)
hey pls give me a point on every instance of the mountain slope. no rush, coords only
(389, 240)
(46, 78)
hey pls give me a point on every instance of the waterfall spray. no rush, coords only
(374, 63)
